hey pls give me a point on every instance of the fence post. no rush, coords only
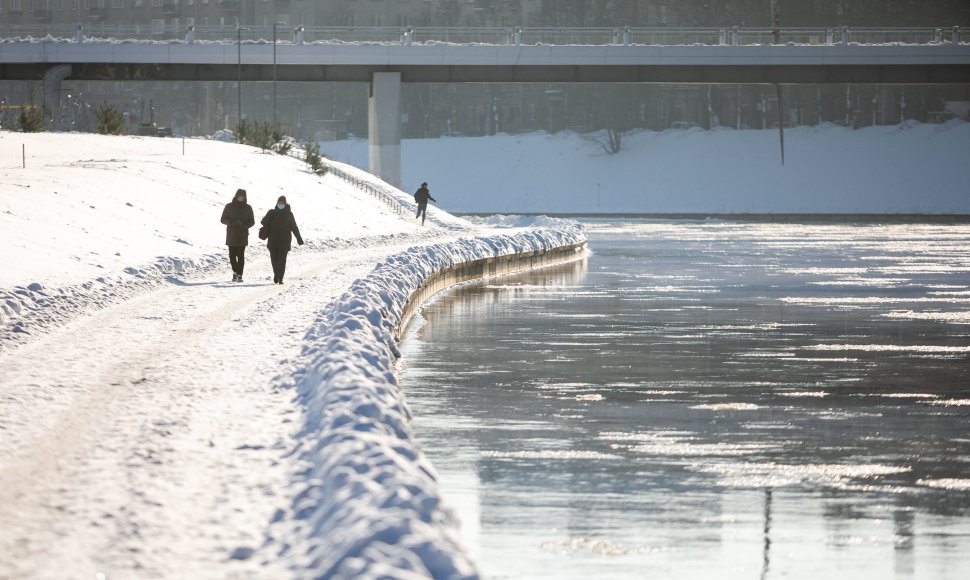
(845, 35)
(80, 33)
(736, 36)
(956, 35)
(938, 36)
(518, 36)
(626, 36)
(721, 37)
(190, 35)
(299, 36)
(829, 36)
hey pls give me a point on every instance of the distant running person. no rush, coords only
(421, 196)
(238, 218)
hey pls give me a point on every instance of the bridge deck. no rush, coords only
(437, 63)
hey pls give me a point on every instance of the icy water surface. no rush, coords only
(709, 400)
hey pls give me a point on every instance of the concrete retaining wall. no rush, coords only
(486, 268)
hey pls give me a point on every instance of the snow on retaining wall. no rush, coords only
(486, 268)
(371, 506)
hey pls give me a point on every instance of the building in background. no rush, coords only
(314, 111)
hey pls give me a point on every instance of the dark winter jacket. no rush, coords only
(282, 226)
(422, 195)
(238, 217)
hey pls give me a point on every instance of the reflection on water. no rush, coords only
(709, 400)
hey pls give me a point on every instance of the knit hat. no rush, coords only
(282, 199)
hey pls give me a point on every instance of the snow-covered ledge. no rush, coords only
(371, 506)
(486, 268)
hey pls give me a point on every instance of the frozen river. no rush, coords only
(709, 400)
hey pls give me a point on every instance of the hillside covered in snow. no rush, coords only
(912, 168)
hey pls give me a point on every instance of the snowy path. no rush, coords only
(157, 436)
(157, 421)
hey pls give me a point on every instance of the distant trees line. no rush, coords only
(481, 110)
(320, 112)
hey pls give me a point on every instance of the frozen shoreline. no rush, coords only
(306, 444)
(378, 509)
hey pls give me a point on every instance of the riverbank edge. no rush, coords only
(782, 218)
(370, 505)
(482, 269)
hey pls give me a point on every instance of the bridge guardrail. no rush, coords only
(601, 36)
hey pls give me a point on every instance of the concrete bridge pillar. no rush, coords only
(384, 127)
(52, 89)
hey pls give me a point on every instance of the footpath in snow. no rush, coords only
(157, 420)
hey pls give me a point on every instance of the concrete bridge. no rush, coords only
(385, 65)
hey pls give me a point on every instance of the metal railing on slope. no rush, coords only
(368, 186)
(364, 182)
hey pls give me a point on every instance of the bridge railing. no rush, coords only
(664, 36)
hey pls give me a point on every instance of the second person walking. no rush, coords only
(282, 227)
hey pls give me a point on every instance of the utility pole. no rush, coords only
(239, 75)
(776, 33)
(275, 24)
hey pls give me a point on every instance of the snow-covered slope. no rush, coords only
(908, 168)
(158, 421)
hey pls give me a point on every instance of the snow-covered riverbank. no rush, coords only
(160, 421)
(908, 168)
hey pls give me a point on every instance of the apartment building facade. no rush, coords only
(171, 18)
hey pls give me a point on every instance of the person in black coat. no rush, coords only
(421, 196)
(238, 218)
(282, 228)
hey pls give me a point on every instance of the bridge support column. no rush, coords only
(52, 89)
(384, 127)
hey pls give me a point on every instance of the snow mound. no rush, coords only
(372, 508)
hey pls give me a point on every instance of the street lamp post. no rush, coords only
(239, 75)
(275, 24)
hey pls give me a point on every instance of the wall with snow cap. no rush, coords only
(371, 506)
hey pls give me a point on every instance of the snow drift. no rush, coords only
(898, 169)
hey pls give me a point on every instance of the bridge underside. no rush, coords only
(665, 74)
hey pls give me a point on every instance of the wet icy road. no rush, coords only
(709, 400)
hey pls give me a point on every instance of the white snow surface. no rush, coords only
(157, 420)
(893, 169)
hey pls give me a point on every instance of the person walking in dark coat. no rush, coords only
(282, 228)
(238, 217)
(421, 196)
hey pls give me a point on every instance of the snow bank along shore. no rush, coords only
(372, 502)
(94, 221)
(910, 168)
